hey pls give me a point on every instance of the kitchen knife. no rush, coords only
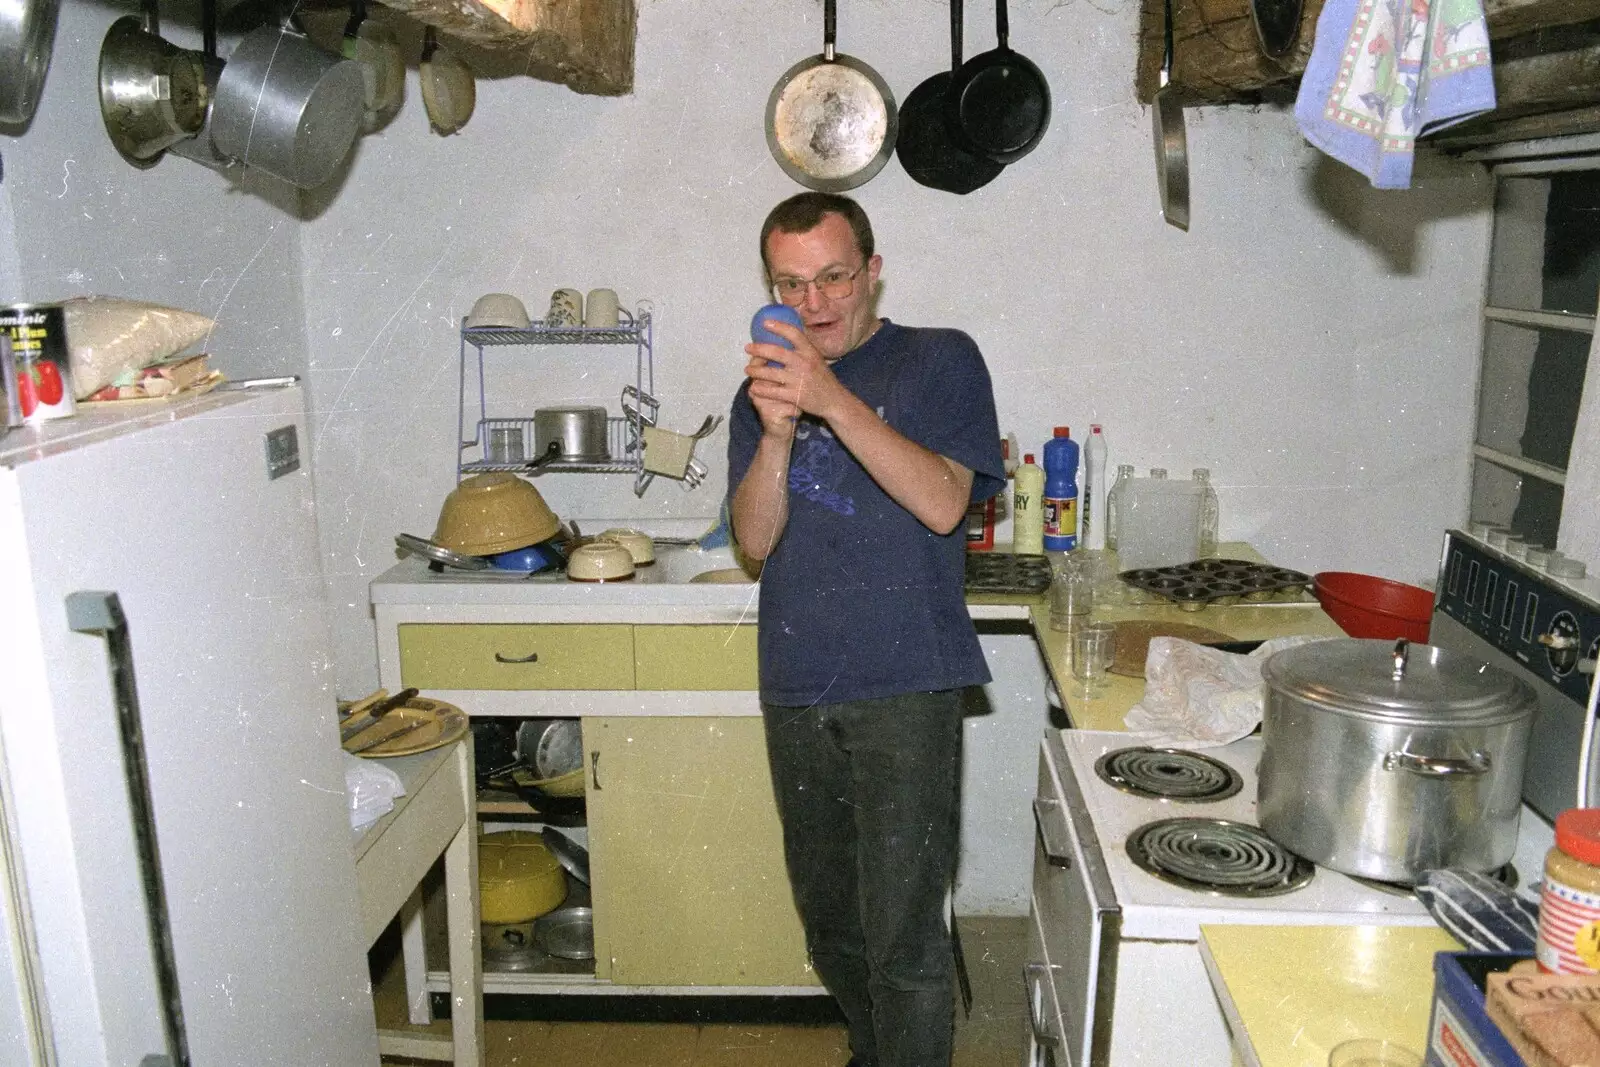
(390, 736)
(360, 707)
(350, 729)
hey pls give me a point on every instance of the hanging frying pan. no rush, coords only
(998, 103)
(1171, 139)
(926, 150)
(27, 35)
(831, 120)
(1277, 24)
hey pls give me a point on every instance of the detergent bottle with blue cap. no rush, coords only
(1061, 492)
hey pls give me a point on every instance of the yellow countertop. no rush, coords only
(1105, 708)
(1291, 993)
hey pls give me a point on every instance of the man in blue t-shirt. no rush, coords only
(852, 460)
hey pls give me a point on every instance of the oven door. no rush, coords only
(1075, 910)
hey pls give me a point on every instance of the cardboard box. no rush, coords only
(1460, 1032)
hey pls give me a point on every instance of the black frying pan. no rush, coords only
(927, 151)
(998, 104)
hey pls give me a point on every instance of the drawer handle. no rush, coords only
(1034, 978)
(531, 657)
(594, 769)
(1052, 832)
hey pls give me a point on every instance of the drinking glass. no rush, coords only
(505, 444)
(1071, 592)
(1372, 1052)
(1092, 646)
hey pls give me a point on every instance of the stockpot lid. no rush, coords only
(1399, 682)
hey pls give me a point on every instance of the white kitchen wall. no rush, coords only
(1310, 340)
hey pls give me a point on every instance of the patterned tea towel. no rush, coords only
(1384, 72)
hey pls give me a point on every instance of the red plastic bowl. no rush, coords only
(1367, 606)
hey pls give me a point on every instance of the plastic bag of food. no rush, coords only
(372, 789)
(108, 336)
(1201, 697)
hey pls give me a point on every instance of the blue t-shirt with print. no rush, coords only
(859, 599)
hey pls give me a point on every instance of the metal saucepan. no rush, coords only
(831, 120)
(383, 69)
(926, 150)
(1384, 760)
(152, 93)
(998, 103)
(27, 36)
(287, 107)
(199, 147)
(1171, 139)
(580, 431)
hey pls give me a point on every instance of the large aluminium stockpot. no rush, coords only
(1386, 760)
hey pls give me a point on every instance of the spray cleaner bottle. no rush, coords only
(1061, 492)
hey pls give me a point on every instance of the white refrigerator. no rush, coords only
(162, 618)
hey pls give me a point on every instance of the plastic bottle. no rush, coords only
(1094, 489)
(1113, 503)
(1027, 532)
(1210, 513)
(1061, 492)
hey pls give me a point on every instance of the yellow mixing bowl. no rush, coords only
(491, 513)
(519, 878)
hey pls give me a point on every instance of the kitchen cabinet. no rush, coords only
(688, 887)
(687, 858)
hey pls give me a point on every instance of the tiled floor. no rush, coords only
(991, 1037)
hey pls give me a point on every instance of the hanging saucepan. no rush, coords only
(383, 69)
(998, 103)
(1171, 139)
(926, 150)
(287, 107)
(1277, 24)
(199, 147)
(152, 93)
(449, 91)
(831, 120)
(27, 34)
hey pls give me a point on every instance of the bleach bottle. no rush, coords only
(1061, 492)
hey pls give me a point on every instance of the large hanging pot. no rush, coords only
(1171, 139)
(926, 150)
(27, 35)
(1385, 760)
(287, 107)
(831, 120)
(152, 93)
(998, 103)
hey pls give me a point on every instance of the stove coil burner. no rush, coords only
(1218, 856)
(1168, 774)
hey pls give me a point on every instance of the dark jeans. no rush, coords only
(868, 792)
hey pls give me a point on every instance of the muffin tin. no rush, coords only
(1194, 585)
(1004, 572)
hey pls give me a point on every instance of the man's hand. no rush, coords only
(787, 382)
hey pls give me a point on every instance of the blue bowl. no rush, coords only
(529, 560)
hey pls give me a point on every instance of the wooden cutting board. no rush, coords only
(1133, 642)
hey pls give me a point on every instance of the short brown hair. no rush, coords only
(804, 211)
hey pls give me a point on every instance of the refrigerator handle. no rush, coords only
(100, 613)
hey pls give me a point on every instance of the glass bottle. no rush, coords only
(1113, 499)
(1210, 513)
(1158, 472)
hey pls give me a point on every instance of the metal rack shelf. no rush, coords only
(624, 434)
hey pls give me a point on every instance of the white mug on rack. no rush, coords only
(600, 308)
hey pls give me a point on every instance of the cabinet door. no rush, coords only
(687, 855)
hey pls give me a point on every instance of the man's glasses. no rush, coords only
(835, 284)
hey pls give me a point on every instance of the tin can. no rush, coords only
(38, 334)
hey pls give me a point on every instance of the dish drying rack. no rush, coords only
(624, 434)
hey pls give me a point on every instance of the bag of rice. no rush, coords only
(107, 336)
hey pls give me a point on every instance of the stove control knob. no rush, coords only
(1566, 567)
(1538, 557)
(1561, 642)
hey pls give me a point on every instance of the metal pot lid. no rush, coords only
(1399, 682)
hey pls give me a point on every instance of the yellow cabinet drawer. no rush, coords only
(516, 656)
(680, 656)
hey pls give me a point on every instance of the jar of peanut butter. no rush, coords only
(1569, 911)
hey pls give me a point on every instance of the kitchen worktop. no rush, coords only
(1291, 993)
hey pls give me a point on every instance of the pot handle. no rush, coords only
(1437, 766)
(1402, 652)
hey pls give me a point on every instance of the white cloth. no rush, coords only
(1201, 697)
(372, 789)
